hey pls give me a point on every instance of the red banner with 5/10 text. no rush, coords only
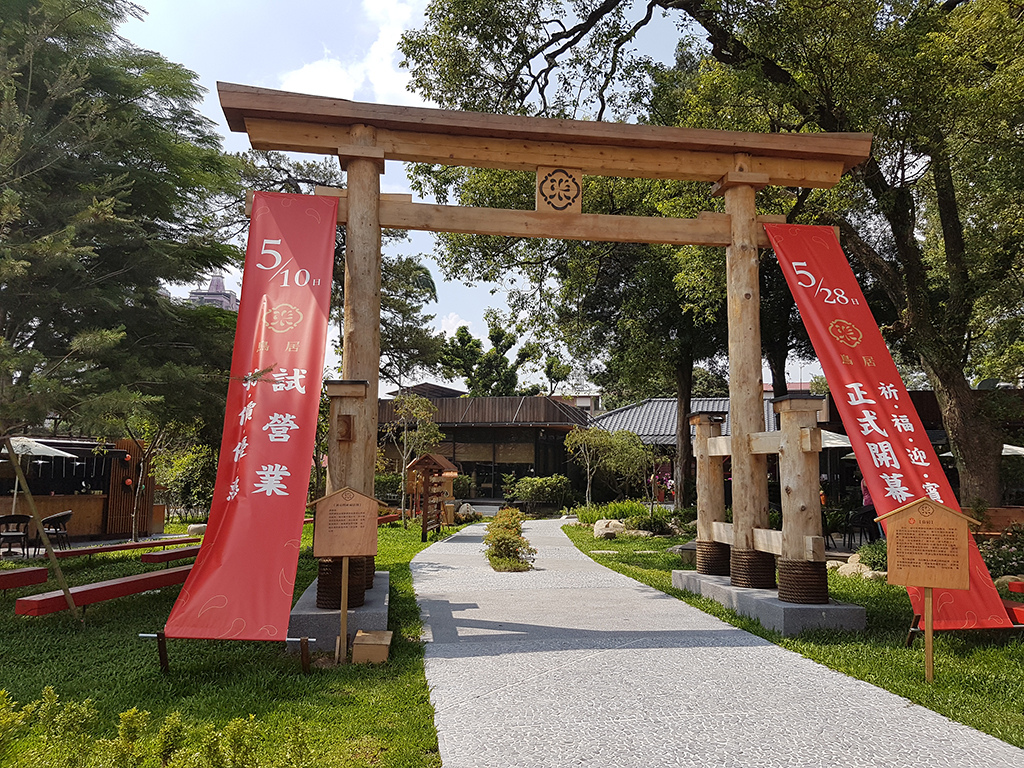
(242, 582)
(893, 451)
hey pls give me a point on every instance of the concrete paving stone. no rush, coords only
(575, 665)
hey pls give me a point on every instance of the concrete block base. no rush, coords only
(764, 605)
(324, 624)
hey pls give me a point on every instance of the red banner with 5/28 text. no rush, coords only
(893, 451)
(242, 582)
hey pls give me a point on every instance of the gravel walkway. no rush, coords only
(572, 664)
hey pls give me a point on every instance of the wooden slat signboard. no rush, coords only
(928, 546)
(346, 525)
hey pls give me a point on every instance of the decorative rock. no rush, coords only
(830, 564)
(1002, 581)
(853, 569)
(608, 529)
(466, 509)
(197, 529)
(876, 575)
(854, 558)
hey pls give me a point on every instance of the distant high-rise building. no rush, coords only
(216, 295)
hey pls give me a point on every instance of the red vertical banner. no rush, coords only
(242, 582)
(894, 453)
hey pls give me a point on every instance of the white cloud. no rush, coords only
(451, 322)
(375, 77)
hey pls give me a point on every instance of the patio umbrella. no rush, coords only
(26, 446)
(1008, 450)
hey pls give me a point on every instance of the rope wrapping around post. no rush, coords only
(802, 574)
(712, 556)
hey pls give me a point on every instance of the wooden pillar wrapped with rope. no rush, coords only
(712, 556)
(801, 563)
(749, 567)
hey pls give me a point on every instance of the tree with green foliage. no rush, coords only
(487, 373)
(934, 215)
(413, 432)
(587, 445)
(109, 177)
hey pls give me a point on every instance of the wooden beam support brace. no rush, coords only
(361, 152)
(739, 179)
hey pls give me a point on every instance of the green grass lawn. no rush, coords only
(979, 675)
(359, 715)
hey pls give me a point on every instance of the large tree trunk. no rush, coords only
(976, 442)
(683, 471)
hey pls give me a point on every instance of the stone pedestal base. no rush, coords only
(753, 569)
(765, 606)
(324, 624)
(713, 558)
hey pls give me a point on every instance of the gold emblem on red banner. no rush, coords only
(283, 317)
(845, 332)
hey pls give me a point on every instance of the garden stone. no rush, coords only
(466, 509)
(831, 564)
(197, 529)
(608, 529)
(853, 569)
(1003, 581)
(854, 558)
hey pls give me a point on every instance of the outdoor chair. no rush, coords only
(860, 524)
(14, 530)
(56, 528)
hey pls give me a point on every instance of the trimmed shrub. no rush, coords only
(387, 485)
(462, 487)
(507, 550)
(554, 491)
(1004, 555)
(874, 555)
(613, 510)
(657, 524)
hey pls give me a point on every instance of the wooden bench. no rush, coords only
(382, 519)
(169, 555)
(126, 545)
(22, 577)
(87, 594)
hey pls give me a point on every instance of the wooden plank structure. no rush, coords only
(61, 554)
(86, 594)
(23, 577)
(366, 136)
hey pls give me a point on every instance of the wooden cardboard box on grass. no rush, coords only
(371, 647)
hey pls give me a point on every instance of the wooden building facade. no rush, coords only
(488, 437)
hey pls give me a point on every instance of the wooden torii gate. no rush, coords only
(363, 136)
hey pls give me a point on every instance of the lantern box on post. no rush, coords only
(345, 525)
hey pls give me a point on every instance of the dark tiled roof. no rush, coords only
(429, 390)
(654, 420)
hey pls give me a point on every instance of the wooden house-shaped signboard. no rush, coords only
(928, 546)
(432, 476)
(345, 525)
